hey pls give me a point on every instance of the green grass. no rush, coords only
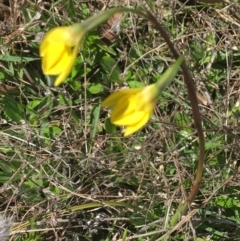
(66, 173)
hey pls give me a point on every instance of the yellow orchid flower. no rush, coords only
(133, 108)
(59, 50)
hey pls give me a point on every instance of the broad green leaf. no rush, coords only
(105, 47)
(20, 59)
(109, 127)
(39, 108)
(63, 100)
(2, 76)
(135, 84)
(95, 88)
(32, 104)
(5, 177)
(75, 85)
(226, 202)
(51, 132)
(12, 109)
(77, 67)
(111, 68)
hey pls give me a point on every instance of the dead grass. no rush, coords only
(68, 184)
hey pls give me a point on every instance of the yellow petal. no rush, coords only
(132, 108)
(125, 105)
(149, 93)
(130, 119)
(69, 36)
(55, 61)
(148, 106)
(68, 66)
(58, 34)
(130, 129)
(111, 100)
(59, 50)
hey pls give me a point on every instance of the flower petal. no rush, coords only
(54, 62)
(130, 119)
(59, 50)
(132, 108)
(63, 35)
(130, 129)
(112, 99)
(68, 66)
(125, 106)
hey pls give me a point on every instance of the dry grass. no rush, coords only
(65, 178)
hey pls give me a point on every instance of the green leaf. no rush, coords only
(75, 85)
(10, 167)
(105, 47)
(5, 177)
(51, 132)
(95, 121)
(39, 108)
(78, 66)
(111, 68)
(109, 127)
(2, 76)
(20, 59)
(95, 88)
(12, 109)
(64, 101)
(45, 106)
(226, 202)
(135, 84)
(32, 104)
(75, 116)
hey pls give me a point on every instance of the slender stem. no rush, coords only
(183, 207)
(100, 18)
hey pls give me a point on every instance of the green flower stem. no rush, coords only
(101, 17)
(165, 80)
(169, 75)
(184, 206)
(94, 21)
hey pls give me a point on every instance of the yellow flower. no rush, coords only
(132, 108)
(60, 45)
(59, 49)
